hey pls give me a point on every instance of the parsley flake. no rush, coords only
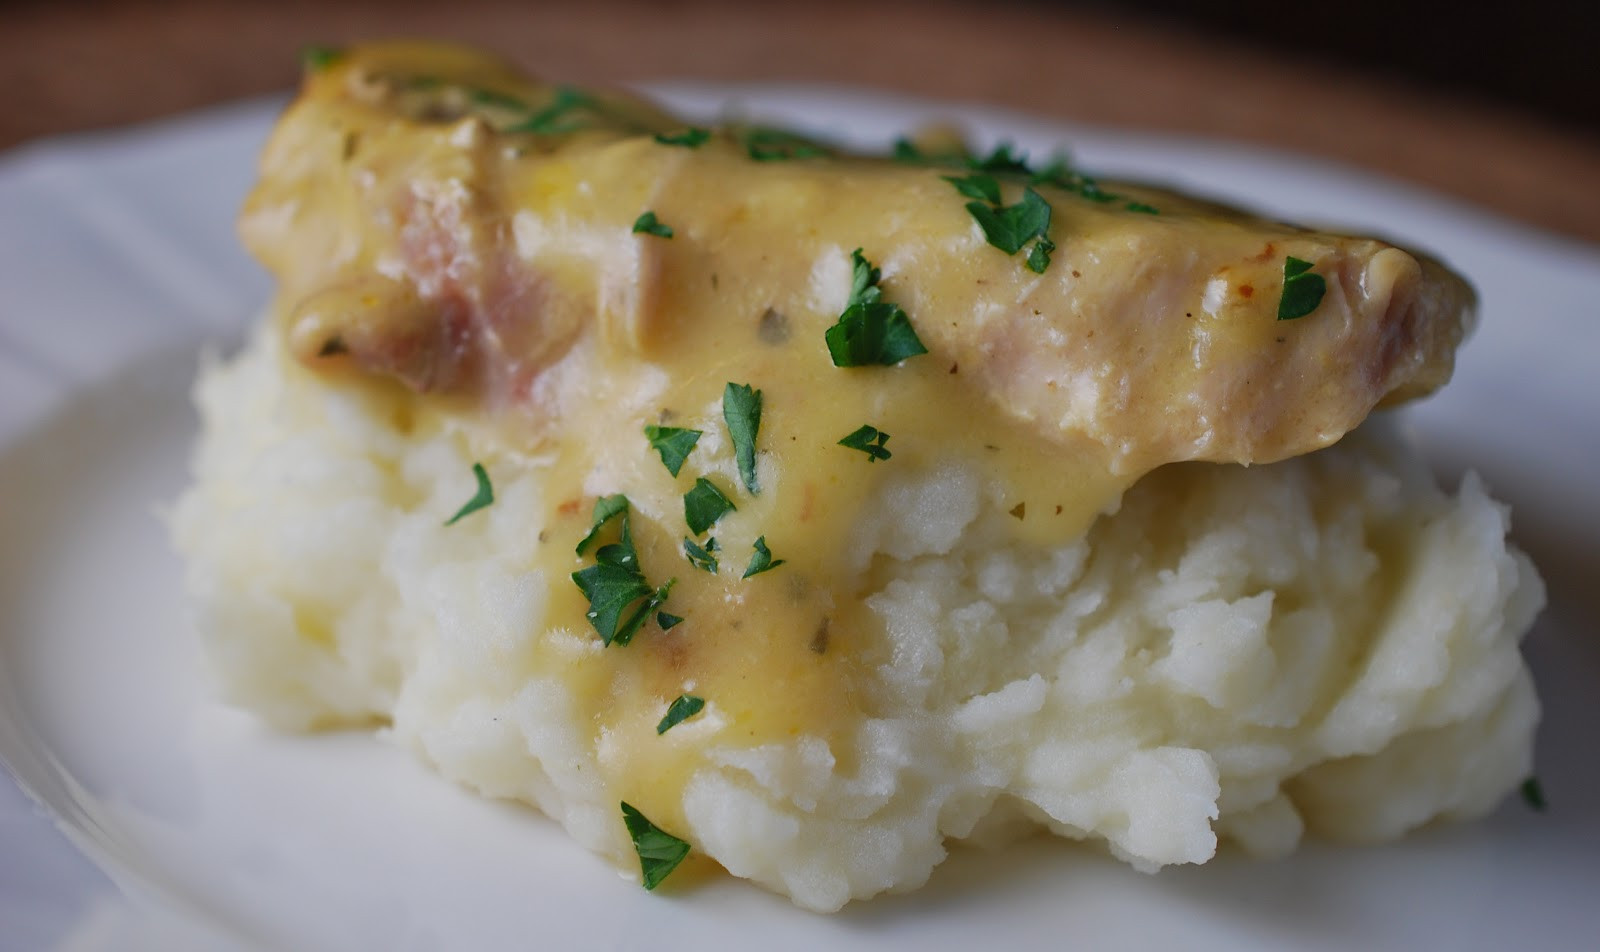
(863, 281)
(668, 621)
(318, 57)
(1533, 795)
(984, 188)
(906, 151)
(606, 508)
(1302, 289)
(1039, 255)
(871, 330)
(673, 443)
(1060, 174)
(1002, 160)
(869, 440)
(680, 710)
(1090, 189)
(499, 100)
(762, 560)
(613, 584)
(483, 498)
(648, 224)
(909, 153)
(704, 505)
(741, 410)
(556, 117)
(691, 138)
(1008, 227)
(659, 851)
(779, 145)
(704, 559)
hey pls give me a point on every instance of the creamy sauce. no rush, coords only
(496, 276)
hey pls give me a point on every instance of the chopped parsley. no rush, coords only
(1010, 227)
(1302, 289)
(704, 559)
(741, 410)
(1533, 795)
(869, 440)
(614, 584)
(762, 560)
(1060, 174)
(704, 505)
(557, 117)
(864, 280)
(1002, 160)
(984, 188)
(659, 851)
(691, 138)
(779, 145)
(680, 710)
(673, 443)
(318, 57)
(871, 330)
(606, 508)
(668, 621)
(648, 224)
(499, 100)
(1090, 189)
(483, 498)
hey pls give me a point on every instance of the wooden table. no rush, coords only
(70, 66)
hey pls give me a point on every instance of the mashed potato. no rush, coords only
(1324, 645)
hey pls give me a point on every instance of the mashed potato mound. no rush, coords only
(1327, 644)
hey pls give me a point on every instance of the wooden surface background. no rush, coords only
(69, 66)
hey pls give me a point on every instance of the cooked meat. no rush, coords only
(416, 233)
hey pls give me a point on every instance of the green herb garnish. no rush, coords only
(648, 224)
(1302, 289)
(317, 58)
(555, 118)
(1533, 795)
(984, 188)
(869, 440)
(659, 851)
(483, 497)
(668, 621)
(685, 707)
(741, 410)
(499, 100)
(691, 138)
(864, 280)
(871, 330)
(703, 559)
(606, 508)
(762, 560)
(1090, 189)
(1002, 160)
(673, 443)
(906, 151)
(1060, 174)
(704, 505)
(779, 145)
(909, 153)
(613, 584)
(1010, 227)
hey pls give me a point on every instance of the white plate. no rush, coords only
(117, 262)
